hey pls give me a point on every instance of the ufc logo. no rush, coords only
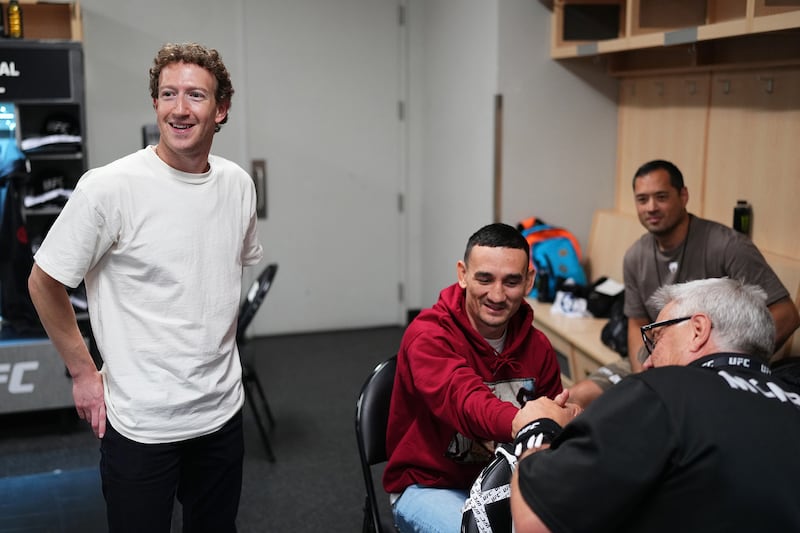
(13, 375)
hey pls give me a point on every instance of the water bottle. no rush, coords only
(14, 26)
(742, 217)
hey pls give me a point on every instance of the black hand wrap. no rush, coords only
(534, 435)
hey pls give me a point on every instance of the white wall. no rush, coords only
(559, 129)
(454, 73)
(322, 110)
(316, 96)
(560, 126)
(120, 40)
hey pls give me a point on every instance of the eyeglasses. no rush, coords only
(649, 342)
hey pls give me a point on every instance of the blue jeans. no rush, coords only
(429, 510)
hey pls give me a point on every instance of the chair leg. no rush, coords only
(257, 417)
(257, 382)
(367, 526)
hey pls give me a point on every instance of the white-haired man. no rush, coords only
(703, 440)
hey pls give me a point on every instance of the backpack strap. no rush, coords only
(530, 222)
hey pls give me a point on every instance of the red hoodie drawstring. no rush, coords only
(504, 360)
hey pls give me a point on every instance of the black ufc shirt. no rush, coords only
(712, 446)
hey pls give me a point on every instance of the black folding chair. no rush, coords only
(248, 309)
(372, 414)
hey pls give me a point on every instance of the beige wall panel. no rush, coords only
(612, 234)
(754, 154)
(662, 117)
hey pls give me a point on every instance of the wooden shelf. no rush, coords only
(648, 35)
(49, 20)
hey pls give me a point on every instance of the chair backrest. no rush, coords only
(372, 414)
(258, 290)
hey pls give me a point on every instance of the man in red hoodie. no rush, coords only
(464, 369)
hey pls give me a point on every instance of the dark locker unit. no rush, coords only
(42, 122)
(45, 83)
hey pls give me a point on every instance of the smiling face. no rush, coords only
(496, 280)
(660, 206)
(187, 114)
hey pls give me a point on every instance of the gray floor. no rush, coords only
(48, 461)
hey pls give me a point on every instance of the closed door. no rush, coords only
(323, 81)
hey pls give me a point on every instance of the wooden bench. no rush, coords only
(577, 340)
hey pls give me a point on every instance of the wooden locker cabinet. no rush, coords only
(639, 35)
(49, 20)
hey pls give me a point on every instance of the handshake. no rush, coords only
(558, 410)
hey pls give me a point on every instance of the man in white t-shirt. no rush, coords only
(160, 237)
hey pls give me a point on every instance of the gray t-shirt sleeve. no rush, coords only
(712, 251)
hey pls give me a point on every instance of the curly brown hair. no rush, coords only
(199, 55)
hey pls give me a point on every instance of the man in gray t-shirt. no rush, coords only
(680, 247)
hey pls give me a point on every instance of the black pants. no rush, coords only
(141, 481)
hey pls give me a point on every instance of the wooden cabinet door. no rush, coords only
(662, 117)
(754, 154)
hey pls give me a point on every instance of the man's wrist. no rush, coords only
(535, 435)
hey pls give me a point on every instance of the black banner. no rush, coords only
(33, 73)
